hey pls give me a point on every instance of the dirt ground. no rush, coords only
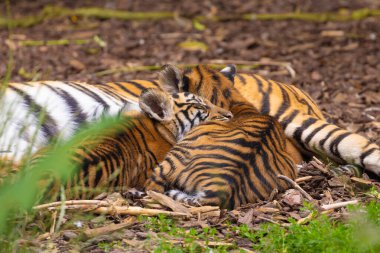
(338, 63)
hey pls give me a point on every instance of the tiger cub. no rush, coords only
(128, 151)
(297, 113)
(227, 163)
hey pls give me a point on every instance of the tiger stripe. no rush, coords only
(124, 156)
(286, 103)
(226, 163)
(297, 113)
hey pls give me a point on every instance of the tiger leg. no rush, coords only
(162, 177)
(294, 152)
(214, 192)
(330, 140)
(155, 184)
(157, 181)
(193, 200)
(134, 193)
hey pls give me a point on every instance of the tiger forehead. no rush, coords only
(203, 80)
(187, 97)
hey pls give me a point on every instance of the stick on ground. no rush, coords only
(109, 228)
(296, 186)
(339, 204)
(169, 202)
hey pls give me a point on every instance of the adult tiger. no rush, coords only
(227, 163)
(68, 104)
(34, 113)
(124, 156)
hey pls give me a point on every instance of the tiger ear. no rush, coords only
(157, 104)
(229, 72)
(171, 79)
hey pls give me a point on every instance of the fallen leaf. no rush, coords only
(77, 64)
(292, 197)
(247, 218)
(193, 45)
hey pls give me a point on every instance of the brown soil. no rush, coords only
(338, 63)
(339, 69)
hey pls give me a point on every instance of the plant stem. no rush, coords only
(51, 12)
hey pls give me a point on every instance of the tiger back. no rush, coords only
(68, 105)
(227, 163)
(124, 155)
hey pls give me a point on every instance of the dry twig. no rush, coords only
(109, 228)
(302, 179)
(134, 210)
(339, 204)
(169, 202)
(203, 209)
(72, 202)
(296, 186)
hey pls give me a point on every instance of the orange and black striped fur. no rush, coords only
(128, 152)
(227, 163)
(68, 105)
(297, 113)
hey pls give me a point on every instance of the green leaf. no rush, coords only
(193, 45)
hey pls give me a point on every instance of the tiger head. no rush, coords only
(201, 80)
(181, 111)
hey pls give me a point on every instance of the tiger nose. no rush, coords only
(228, 115)
(225, 114)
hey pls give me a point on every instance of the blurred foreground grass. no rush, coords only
(20, 192)
(51, 12)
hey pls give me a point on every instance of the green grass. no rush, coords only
(20, 192)
(360, 233)
(188, 239)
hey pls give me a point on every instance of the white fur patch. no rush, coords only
(20, 128)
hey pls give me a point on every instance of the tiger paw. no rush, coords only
(192, 201)
(184, 197)
(134, 194)
(371, 162)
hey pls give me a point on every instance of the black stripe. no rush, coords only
(185, 82)
(265, 103)
(334, 144)
(89, 93)
(200, 83)
(76, 111)
(365, 154)
(136, 84)
(315, 131)
(122, 87)
(292, 89)
(107, 89)
(227, 93)
(155, 84)
(297, 135)
(289, 119)
(241, 79)
(285, 101)
(322, 142)
(214, 97)
(48, 125)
